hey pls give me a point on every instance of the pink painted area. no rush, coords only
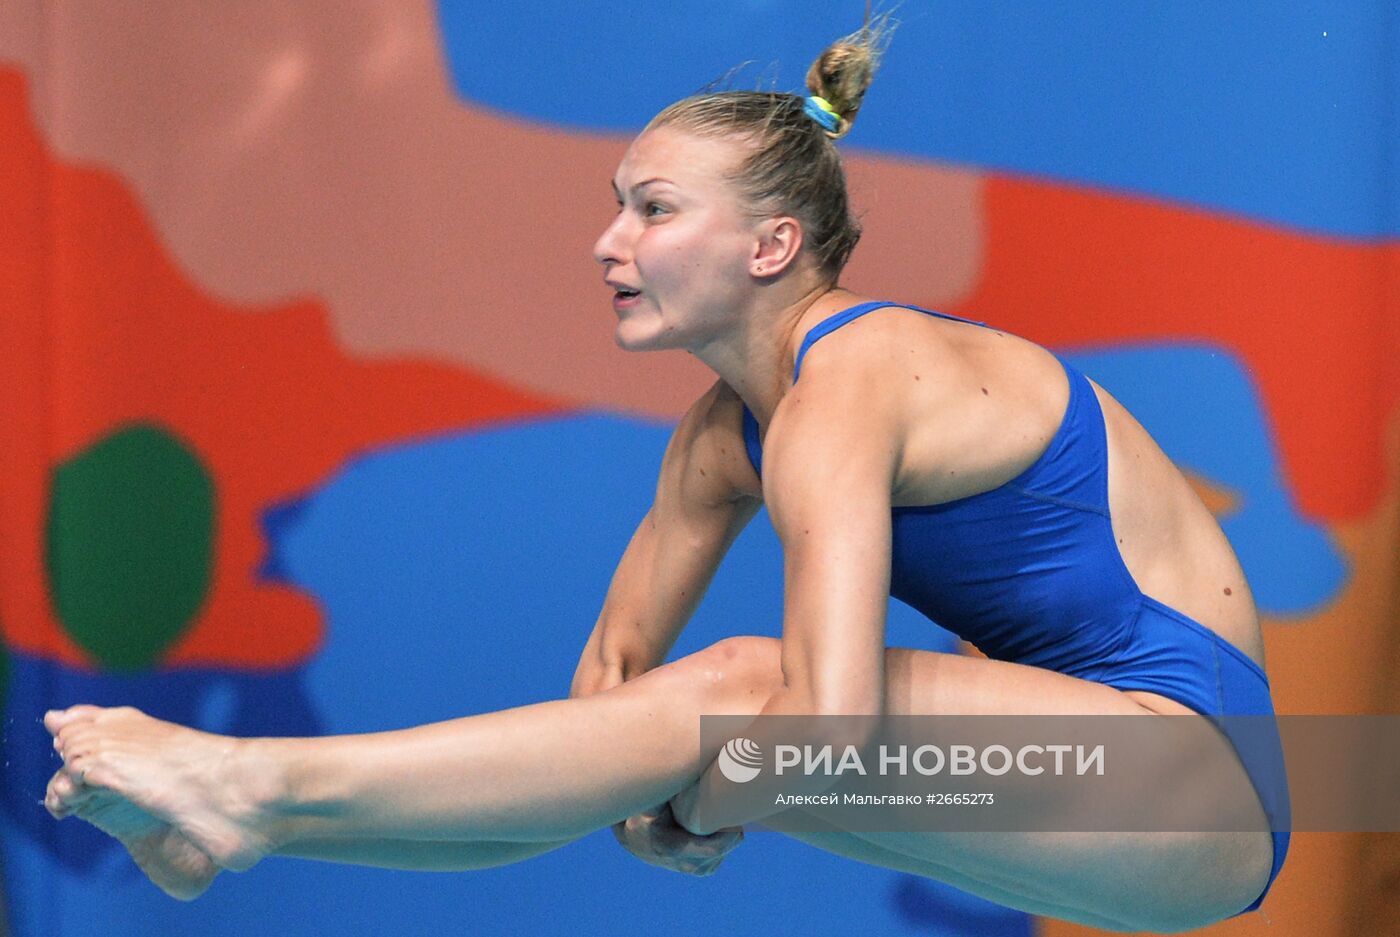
(318, 150)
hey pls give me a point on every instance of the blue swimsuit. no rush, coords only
(1029, 572)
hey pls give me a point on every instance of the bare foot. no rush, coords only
(180, 869)
(122, 763)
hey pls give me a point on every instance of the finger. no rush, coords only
(719, 840)
(704, 853)
(709, 867)
(723, 833)
(710, 844)
(726, 840)
(184, 889)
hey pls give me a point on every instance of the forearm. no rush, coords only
(659, 584)
(626, 643)
(602, 667)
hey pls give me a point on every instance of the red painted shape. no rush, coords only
(1316, 322)
(99, 329)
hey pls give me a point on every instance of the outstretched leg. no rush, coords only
(184, 871)
(537, 774)
(559, 769)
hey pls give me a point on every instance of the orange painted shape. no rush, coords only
(98, 329)
(1314, 321)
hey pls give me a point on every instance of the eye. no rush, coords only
(653, 208)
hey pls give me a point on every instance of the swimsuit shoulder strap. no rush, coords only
(833, 322)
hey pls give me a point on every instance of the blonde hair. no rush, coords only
(792, 166)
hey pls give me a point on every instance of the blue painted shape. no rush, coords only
(514, 531)
(1200, 405)
(275, 520)
(1236, 107)
(490, 553)
(461, 575)
(588, 887)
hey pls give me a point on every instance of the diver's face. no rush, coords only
(678, 252)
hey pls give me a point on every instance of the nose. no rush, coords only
(611, 246)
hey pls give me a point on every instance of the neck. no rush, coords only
(757, 357)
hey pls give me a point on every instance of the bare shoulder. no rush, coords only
(884, 337)
(893, 351)
(968, 406)
(862, 388)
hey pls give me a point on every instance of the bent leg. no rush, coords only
(851, 846)
(1121, 881)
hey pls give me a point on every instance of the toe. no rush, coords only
(56, 719)
(63, 796)
(71, 793)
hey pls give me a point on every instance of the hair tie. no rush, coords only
(820, 110)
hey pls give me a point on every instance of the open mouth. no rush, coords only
(627, 294)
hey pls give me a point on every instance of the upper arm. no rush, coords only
(699, 508)
(705, 471)
(830, 461)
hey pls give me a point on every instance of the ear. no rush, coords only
(779, 241)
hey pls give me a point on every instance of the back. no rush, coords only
(1031, 459)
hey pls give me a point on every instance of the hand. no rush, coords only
(683, 809)
(657, 839)
(593, 677)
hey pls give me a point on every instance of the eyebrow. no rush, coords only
(644, 182)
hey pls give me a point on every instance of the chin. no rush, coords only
(634, 339)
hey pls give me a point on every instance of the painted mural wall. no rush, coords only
(313, 421)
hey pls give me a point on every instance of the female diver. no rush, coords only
(898, 451)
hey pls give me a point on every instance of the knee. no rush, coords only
(737, 672)
(1241, 864)
(1221, 875)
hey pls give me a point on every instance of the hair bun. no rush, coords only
(844, 70)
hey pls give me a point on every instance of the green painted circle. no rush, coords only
(130, 545)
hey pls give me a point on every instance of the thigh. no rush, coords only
(1130, 877)
(1154, 881)
(851, 846)
(922, 682)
